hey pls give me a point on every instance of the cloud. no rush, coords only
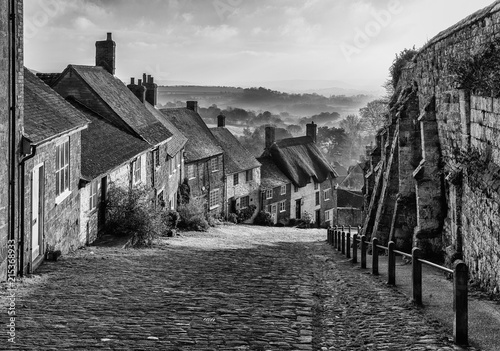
(220, 33)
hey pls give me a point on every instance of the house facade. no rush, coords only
(11, 87)
(204, 158)
(276, 190)
(51, 174)
(313, 195)
(153, 157)
(241, 171)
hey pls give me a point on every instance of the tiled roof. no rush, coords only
(46, 113)
(48, 78)
(124, 103)
(300, 160)
(178, 140)
(236, 157)
(270, 175)
(105, 147)
(201, 143)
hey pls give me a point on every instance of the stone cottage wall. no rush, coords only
(5, 79)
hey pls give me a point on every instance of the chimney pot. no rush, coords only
(149, 79)
(221, 121)
(192, 105)
(312, 130)
(109, 37)
(132, 80)
(144, 78)
(139, 82)
(270, 136)
(105, 55)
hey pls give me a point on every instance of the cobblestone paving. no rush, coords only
(236, 288)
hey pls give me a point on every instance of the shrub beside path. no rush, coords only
(233, 288)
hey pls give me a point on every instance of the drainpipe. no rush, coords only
(12, 122)
(22, 192)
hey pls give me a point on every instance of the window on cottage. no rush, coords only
(156, 157)
(190, 172)
(282, 205)
(62, 167)
(316, 186)
(327, 215)
(93, 195)
(317, 198)
(269, 194)
(283, 190)
(244, 202)
(249, 175)
(326, 194)
(136, 170)
(236, 179)
(214, 164)
(214, 198)
(296, 188)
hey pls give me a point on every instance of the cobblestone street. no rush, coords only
(234, 288)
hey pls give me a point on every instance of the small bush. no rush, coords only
(264, 218)
(131, 213)
(192, 216)
(292, 222)
(246, 213)
(232, 218)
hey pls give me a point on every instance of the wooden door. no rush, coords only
(36, 211)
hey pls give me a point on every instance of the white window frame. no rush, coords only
(156, 157)
(241, 202)
(214, 164)
(63, 170)
(214, 194)
(249, 175)
(282, 206)
(137, 170)
(316, 186)
(190, 172)
(327, 215)
(326, 194)
(317, 199)
(269, 194)
(93, 195)
(236, 179)
(283, 190)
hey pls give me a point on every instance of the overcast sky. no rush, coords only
(225, 42)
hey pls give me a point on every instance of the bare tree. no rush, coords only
(375, 114)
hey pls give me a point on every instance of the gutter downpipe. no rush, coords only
(12, 126)
(22, 189)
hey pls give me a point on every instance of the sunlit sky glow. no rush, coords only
(231, 42)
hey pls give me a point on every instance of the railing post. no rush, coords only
(330, 239)
(348, 244)
(416, 274)
(339, 241)
(363, 251)
(391, 264)
(374, 256)
(355, 248)
(343, 243)
(460, 291)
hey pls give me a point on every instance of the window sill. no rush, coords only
(61, 197)
(214, 207)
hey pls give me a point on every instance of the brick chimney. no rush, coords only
(152, 89)
(312, 130)
(221, 121)
(192, 105)
(105, 54)
(270, 136)
(139, 90)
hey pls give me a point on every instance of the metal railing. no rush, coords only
(340, 238)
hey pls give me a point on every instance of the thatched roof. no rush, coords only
(270, 175)
(300, 160)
